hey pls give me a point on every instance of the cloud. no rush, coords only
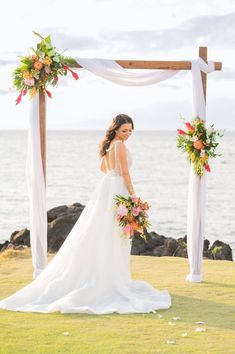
(70, 41)
(209, 30)
(3, 92)
(4, 62)
(225, 74)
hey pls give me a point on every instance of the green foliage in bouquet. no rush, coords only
(41, 68)
(199, 143)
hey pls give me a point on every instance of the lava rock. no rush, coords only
(220, 250)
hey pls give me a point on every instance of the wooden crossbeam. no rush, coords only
(156, 64)
(127, 64)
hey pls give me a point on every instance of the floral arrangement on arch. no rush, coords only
(199, 143)
(41, 68)
(131, 214)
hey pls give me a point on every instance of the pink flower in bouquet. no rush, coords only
(181, 132)
(146, 214)
(207, 167)
(127, 228)
(189, 126)
(135, 199)
(122, 210)
(29, 82)
(136, 211)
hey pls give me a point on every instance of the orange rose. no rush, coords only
(47, 61)
(198, 144)
(38, 65)
(27, 75)
(145, 206)
(134, 225)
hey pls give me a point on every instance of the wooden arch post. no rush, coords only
(127, 64)
(203, 55)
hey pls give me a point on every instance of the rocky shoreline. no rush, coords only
(61, 220)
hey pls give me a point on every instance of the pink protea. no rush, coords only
(122, 210)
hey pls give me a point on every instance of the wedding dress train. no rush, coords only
(91, 271)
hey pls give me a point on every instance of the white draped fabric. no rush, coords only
(110, 70)
(197, 185)
(37, 192)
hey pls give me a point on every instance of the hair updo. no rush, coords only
(110, 132)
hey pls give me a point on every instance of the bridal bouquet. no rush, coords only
(199, 143)
(131, 215)
(40, 69)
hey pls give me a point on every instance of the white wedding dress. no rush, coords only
(91, 271)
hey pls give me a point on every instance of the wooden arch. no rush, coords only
(127, 64)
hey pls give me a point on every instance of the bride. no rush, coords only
(91, 271)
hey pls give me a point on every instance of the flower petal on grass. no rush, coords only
(200, 329)
(171, 323)
(170, 342)
(184, 334)
(65, 333)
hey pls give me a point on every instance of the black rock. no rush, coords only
(170, 246)
(158, 251)
(59, 229)
(139, 245)
(62, 219)
(3, 246)
(20, 238)
(206, 245)
(63, 210)
(220, 250)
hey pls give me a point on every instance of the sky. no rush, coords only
(121, 29)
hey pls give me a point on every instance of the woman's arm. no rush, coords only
(103, 167)
(122, 157)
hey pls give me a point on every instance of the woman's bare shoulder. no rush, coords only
(121, 149)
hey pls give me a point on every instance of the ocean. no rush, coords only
(159, 172)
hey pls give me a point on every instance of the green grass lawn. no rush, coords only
(211, 301)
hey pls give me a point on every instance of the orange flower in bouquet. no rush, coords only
(198, 144)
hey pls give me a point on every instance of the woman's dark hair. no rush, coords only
(110, 132)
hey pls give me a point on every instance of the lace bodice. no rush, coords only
(116, 170)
